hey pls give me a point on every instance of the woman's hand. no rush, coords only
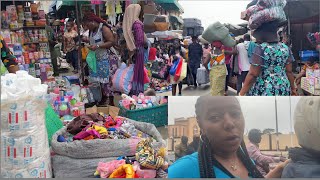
(277, 171)
(93, 47)
(294, 92)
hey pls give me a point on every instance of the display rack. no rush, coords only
(24, 31)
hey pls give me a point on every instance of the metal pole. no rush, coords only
(291, 131)
(79, 43)
(277, 128)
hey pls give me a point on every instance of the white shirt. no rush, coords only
(243, 58)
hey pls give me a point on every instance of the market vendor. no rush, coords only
(8, 61)
(310, 64)
(101, 41)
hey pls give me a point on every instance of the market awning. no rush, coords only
(170, 5)
(302, 9)
(174, 19)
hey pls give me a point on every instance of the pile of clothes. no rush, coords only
(98, 126)
(160, 85)
(265, 11)
(149, 162)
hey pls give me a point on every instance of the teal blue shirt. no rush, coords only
(188, 167)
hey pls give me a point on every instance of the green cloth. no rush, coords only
(92, 61)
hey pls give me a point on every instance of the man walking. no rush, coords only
(195, 56)
(243, 59)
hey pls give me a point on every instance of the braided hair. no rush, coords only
(207, 160)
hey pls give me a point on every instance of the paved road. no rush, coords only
(200, 91)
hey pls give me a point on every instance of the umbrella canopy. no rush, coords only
(302, 9)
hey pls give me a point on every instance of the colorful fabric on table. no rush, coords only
(273, 80)
(147, 156)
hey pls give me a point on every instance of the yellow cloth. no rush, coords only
(218, 75)
(100, 129)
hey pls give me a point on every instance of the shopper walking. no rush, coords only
(215, 63)
(101, 41)
(243, 60)
(195, 53)
(271, 67)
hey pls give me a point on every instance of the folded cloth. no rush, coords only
(106, 169)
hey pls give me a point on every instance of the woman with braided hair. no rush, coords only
(222, 152)
(101, 42)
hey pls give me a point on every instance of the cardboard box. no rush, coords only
(111, 110)
(310, 73)
(311, 85)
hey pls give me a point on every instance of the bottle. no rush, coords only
(38, 71)
(32, 70)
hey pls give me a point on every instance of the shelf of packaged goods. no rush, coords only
(27, 43)
(40, 27)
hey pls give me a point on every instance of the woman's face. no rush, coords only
(223, 124)
(69, 26)
(90, 25)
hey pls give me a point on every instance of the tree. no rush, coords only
(269, 131)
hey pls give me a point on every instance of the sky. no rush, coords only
(210, 11)
(259, 112)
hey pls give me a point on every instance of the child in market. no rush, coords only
(310, 64)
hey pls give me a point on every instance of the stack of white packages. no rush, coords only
(24, 144)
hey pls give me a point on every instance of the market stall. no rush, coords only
(24, 30)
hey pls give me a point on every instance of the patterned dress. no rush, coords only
(273, 80)
(218, 74)
(107, 63)
(7, 58)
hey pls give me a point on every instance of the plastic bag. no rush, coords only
(122, 79)
(178, 71)
(275, 14)
(183, 71)
(92, 61)
(174, 67)
(146, 79)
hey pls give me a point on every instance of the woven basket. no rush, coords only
(161, 26)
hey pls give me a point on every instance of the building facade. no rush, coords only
(189, 127)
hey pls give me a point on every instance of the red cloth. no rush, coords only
(152, 54)
(227, 57)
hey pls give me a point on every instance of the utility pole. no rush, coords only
(277, 128)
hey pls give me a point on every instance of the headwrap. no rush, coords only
(93, 17)
(131, 15)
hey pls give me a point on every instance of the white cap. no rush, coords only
(307, 122)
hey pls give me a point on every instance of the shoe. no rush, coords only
(179, 94)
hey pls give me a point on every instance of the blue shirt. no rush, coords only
(188, 167)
